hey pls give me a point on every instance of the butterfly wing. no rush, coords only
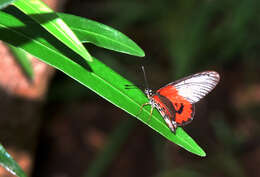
(185, 92)
(196, 86)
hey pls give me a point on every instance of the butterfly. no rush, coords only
(175, 101)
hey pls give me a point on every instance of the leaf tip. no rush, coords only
(141, 53)
(203, 154)
(200, 152)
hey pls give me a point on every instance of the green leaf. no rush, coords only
(101, 35)
(5, 3)
(49, 20)
(23, 60)
(94, 75)
(9, 164)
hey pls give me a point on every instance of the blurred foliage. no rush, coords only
(113, 145)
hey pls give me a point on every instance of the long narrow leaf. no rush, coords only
(101, 35)
(9, 164)
(94, 75)
(37, 10)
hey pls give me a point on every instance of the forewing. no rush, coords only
(196, 86)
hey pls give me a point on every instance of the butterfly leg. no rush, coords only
(141, 108)
(151, 113)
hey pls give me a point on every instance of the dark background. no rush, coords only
(84, 135)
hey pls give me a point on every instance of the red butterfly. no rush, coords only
(175, 101)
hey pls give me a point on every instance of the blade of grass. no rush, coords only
(49, 20)
(94, 75)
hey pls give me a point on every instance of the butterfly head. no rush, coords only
(149, 93)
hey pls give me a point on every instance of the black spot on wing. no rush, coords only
(180, 110)
(189, 119)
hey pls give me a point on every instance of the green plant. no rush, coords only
(42, 34)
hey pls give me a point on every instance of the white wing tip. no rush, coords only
(197, 86)
(213, 74)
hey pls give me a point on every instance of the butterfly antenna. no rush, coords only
(145, 78)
